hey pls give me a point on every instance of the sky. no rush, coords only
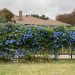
(50, 8)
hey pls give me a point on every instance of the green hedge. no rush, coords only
(19, 41)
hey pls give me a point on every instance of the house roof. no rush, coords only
(36, 21)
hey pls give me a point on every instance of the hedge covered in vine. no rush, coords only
(17, 41)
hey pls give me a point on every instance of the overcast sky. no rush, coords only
(48, 7)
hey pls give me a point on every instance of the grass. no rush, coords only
(52, 68)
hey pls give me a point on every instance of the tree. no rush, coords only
(40, 17)
(7, 14)
(44, 17)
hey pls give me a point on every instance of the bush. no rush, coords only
(17, 41)
(2, 19)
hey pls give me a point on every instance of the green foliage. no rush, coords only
(40, 17)
(2, 19)
(44, 17)
(8, 15)
(18, 41)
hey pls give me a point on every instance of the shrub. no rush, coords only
(17, 41)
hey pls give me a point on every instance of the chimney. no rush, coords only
(20, 16)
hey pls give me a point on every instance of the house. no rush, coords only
(21, 19)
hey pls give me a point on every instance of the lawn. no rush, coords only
(52, 68)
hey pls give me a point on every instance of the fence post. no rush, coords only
(71, 51)
(55, 54)
(62, 49)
